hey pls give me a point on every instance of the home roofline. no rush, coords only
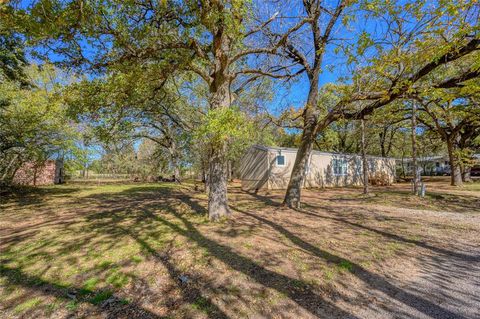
(423, 159)
(295, 150)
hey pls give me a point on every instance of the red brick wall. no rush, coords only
(29, 174)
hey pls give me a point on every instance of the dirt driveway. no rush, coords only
(438, 275)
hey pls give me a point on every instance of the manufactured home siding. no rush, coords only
(253, 169)
(320, 169)
(321, 172)
(280, 175)
(383, 166)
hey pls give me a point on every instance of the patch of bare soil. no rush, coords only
(147, 251)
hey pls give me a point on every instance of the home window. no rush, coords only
(280, 160)
(339, 166)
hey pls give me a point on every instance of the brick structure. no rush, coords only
(48, 173)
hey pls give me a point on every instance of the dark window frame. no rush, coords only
(277, 162)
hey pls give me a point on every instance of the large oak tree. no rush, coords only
(206, 38)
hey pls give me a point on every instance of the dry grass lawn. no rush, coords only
(148, 251)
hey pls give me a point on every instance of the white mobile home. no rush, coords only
(270, 168)
(430, 165)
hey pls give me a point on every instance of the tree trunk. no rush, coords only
(414, 148)
(35, 175)
(383, 135)
(293, 194)
(455, 173)
(217, 181)
(176, 173)
(207, 183)
(6, 176)
(403, 155)
(174, 161)
(310, 120)
(220, 98)
(364, 159)
(229, 171)
(217, 184)
(466, 176)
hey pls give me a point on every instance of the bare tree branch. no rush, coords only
(458, 80)
(272, 49)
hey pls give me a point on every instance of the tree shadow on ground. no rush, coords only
(460, 203)
(303, 295)
(104, 214)
(372, 280)
(115, 307)
(147, 207)
(29, 195)
(296, 290)
(400, 196)
(423, 244)
(190, 293)
(333, 212)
